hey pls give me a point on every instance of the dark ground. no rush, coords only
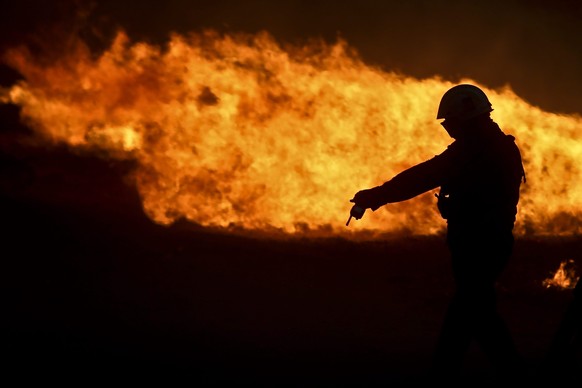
(92, 289)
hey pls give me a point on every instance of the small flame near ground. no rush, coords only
(565, 277)
(239, 131)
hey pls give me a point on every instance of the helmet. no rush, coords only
(463, 102)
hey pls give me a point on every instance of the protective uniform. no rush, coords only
(479, 176)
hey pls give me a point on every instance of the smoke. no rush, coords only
(531, 45)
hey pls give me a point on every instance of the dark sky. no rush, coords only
(534, 46)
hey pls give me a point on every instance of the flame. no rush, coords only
(565, 276)
(239, 131)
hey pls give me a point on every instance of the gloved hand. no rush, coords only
(367, 198)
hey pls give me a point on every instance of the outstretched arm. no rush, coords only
(406, 185)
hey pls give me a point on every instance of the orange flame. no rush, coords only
(565, 276)
(239, 131)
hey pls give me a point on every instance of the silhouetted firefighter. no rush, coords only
(479, 176)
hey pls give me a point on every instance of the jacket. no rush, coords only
(479, 177)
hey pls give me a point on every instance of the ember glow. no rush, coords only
(239, 131)
(565, 276)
